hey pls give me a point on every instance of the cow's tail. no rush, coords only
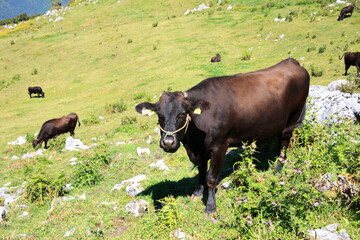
(301, 118)
(341, 56)
(79, 121)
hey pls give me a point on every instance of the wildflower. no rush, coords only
(270, 223)
(282, 183)
(299, 171)
(282, 155)
(321, 203)
(213, 219)
(316, 203)
(253, 145)
(89, 232)
(243, 146)
(275, 204)
(294, 191)
(316, 139)
(264, 222)
(248, 217)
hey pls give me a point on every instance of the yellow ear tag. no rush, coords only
(197, 111)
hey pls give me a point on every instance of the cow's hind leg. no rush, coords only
(217, 158)
(46, 140)
(346, 69)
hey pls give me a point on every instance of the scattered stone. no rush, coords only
(58, 19)
(101, 118)
(19, 141)
(83, 197)
(25, 214)
(73, 144)
(160, 165)
(68, 187)
(229, 7)
(14, 158)
(134, 189)
(178, 233)
(69, 233)
(141, 151)
(332, 105)
(136, 207)
(200, 8)
(329, 232)
(94, 138)
(137, 178)
(226, 185)
(7, 184)
(119, 143)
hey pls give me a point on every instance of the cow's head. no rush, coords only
(35, 143)
(173, 110)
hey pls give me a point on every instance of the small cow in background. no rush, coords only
(351, 59)
(346, 10)
(54, 127)
(217, 58)
(36, 90)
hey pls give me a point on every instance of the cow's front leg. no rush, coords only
(199, 190)
(46, 140)
(217, 159)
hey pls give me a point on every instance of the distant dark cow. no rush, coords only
(36, 90)
(217, 58)
(223, 112)
(351, 59)
(55, 127)
(346, 10)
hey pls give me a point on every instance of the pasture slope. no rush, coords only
(119, 53)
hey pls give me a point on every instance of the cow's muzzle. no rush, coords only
(168, 143)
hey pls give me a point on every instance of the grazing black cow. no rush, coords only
(346, 10)
(351, 59)
(217, 58)
(223, 112)
(37, 90)
(56, 126)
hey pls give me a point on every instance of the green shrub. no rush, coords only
(310, 48)
(129, 40)
(42, 187)
(316, 71)
(322, 48)
(246, 55)
(169, 216)
(92, 120)
(34, 71)
(87, 173)
(155, 24)
(128, 120)
(140, 95)
(352, 85)
(117, 107)
(12, 42)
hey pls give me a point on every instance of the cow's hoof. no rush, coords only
(195, 198)
(208, 214)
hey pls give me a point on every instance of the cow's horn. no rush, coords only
(185, 94)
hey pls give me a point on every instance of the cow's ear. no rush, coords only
(146, 108)
(200, 106)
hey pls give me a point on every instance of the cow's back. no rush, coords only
(255, 105)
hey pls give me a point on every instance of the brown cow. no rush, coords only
(346, 10)
(217, 58)
(351, 59)
(55, 127)
(223, 112)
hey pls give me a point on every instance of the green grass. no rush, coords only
(85, 62)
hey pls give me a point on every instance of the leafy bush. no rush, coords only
(87, 173)
(129, 40)
(310, 48)
(316, 71)
(34, 71)
(322, 48)
(155, 24)
(92, 120)
(42, 187)
(128, 120)
(140, 95)
(169, 216)
(352, 85)
(117, 107)
(247, 55)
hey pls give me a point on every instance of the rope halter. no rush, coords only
(186, 125)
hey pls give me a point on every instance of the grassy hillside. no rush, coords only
(130, 51)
